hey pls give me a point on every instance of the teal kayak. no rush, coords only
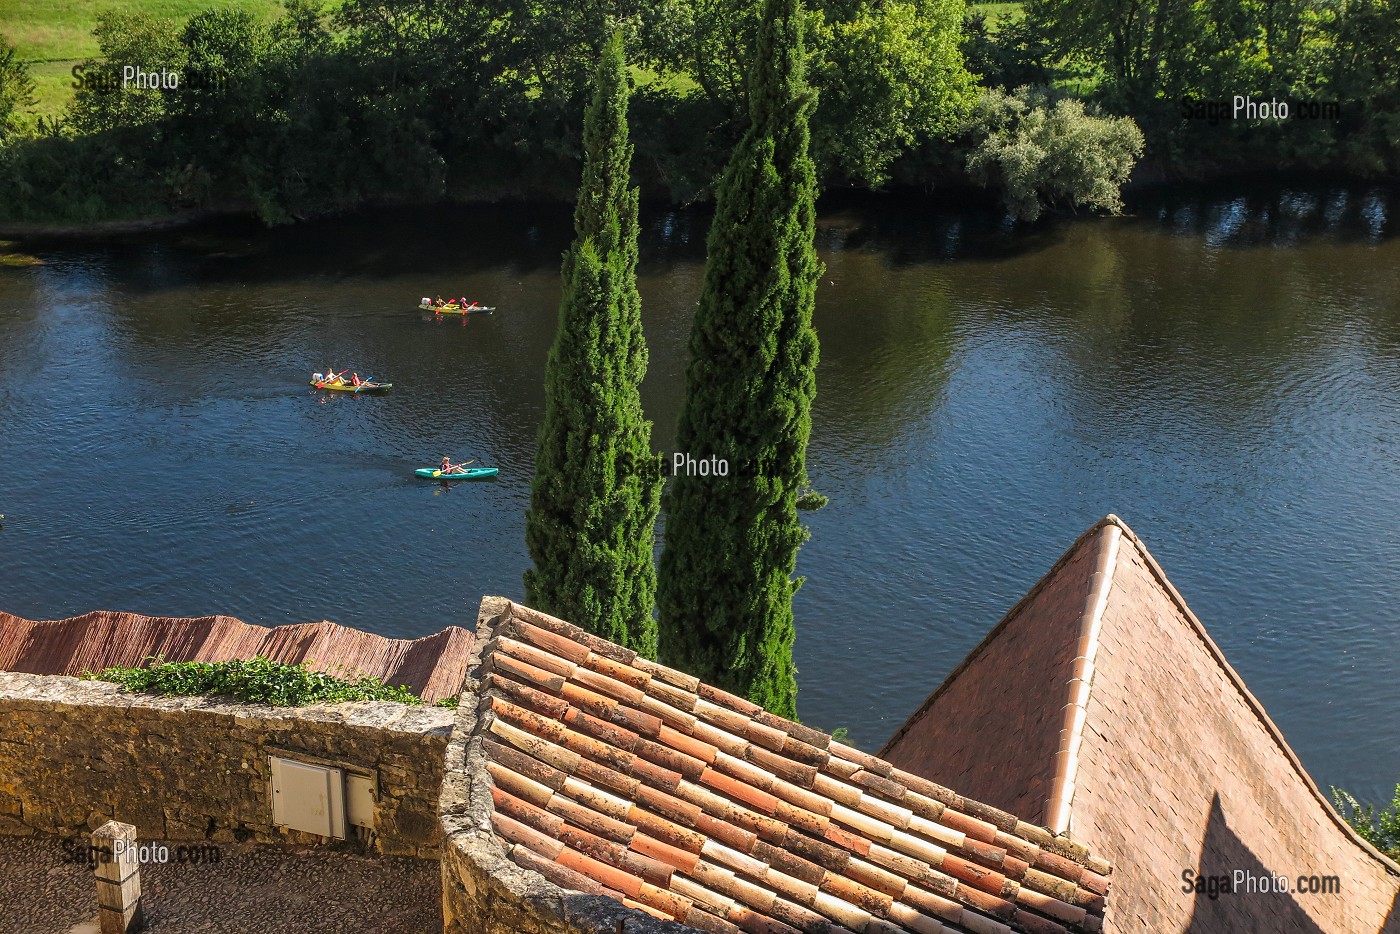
(471, 473)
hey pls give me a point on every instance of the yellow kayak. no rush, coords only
(341, 385)
(455, 309)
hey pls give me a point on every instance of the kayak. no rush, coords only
(471, 473)
(347, 387)
(458, 310)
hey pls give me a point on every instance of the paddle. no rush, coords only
(453, 468)
(331, 379)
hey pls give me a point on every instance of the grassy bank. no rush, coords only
(995, 12)
(54, 35)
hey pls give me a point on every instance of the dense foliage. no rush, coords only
(16, 90)
(326, 108)
(1380, 828)
(1335, 62)
(726, 585)
(255, 681)
(597, 487)
(329, 107)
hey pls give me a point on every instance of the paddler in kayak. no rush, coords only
(355, 379)
(449, 467)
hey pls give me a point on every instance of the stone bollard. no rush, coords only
(118, 878)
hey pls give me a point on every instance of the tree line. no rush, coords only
(1172, 64)
(328, 108)
(381, 101)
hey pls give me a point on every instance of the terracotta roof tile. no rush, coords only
(701, 921)
(644, 724)
(803, 919)
(590, 820)
(523, 788)
(522, 671)
(605, 777)
(615, 775)
(610, 876)
(536, 657)
(714, 695)
(654, 775)
(559, 875)
(672, 856)
(590, 725)
(881, 880)
(591, 701)
(877, 903)
(673, 905)
(617, 671)
(597, 799)
(720, 739)
(526, 836)
(798, 773)
(551, 642)
(667, 831)
(526, 813)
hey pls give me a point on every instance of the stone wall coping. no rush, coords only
(23, 690)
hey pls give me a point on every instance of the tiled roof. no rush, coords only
(615, 775)
(1129, 729)
(434, 666)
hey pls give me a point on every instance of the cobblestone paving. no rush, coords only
(262, 889)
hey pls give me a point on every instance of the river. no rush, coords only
(1221, 370)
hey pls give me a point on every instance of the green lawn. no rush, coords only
(993, 11)
(645, 76)
(54, 35)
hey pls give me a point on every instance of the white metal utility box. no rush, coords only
(308, 797)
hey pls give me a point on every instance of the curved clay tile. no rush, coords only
(615, 775)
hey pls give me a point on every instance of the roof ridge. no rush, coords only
(1107, 521)
(1251, 701)
(1057, 806)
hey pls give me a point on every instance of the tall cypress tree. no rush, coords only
(592, 519)
(725, 584)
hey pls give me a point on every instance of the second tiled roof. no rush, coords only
(615, 775)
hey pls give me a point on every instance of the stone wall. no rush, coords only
(485, 892)
(75, 754)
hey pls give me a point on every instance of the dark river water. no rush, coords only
(1221, 371)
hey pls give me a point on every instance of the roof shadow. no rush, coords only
(1223, 856)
